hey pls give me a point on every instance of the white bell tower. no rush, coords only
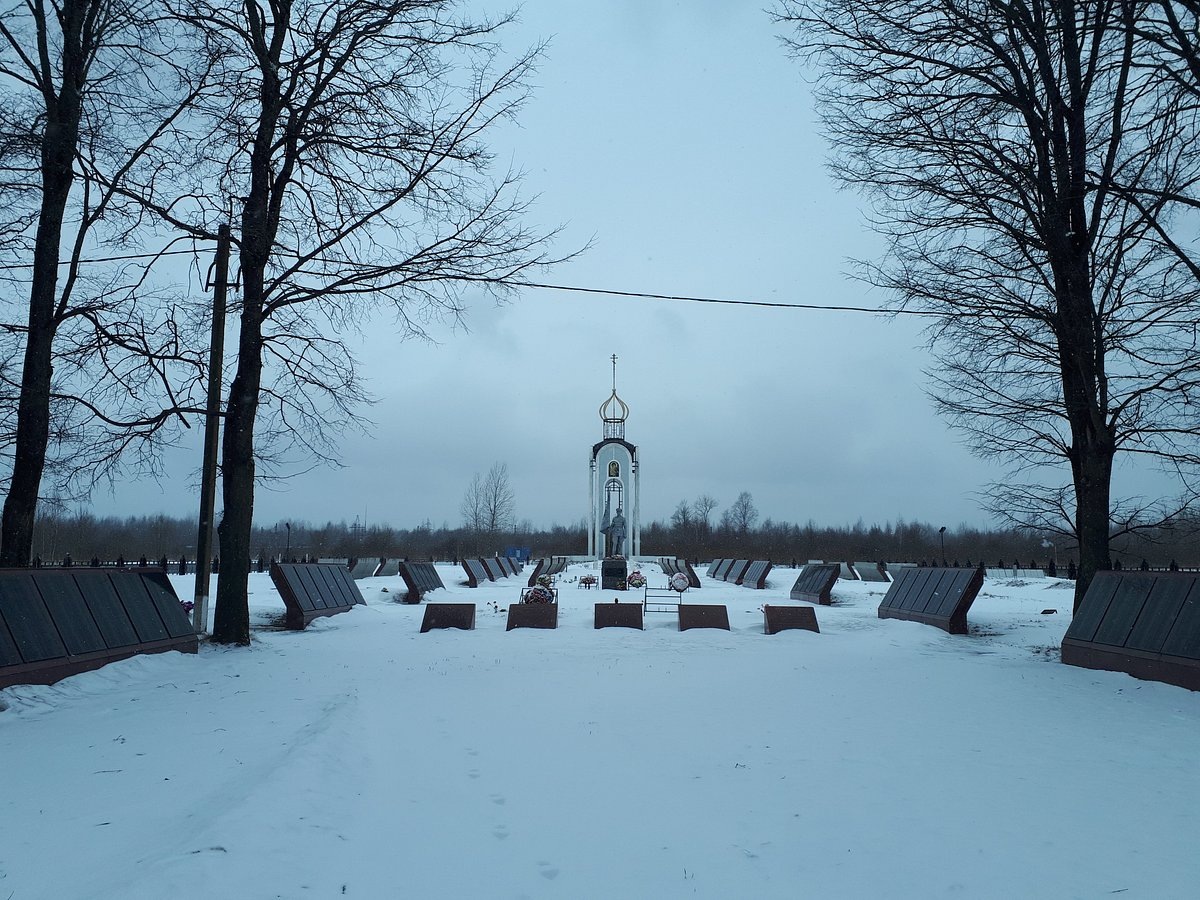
(614, 492)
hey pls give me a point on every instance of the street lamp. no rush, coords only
(287, 554)
(942, 535)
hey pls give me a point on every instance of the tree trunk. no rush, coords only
(1085, 396)
(260, 222)
(33, 411)
(231, 621)
(1093, 480)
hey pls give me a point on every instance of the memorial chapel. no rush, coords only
(614, 493)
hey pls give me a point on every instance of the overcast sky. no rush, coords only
(680, 139)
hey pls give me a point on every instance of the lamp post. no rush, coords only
(942, 535)
(287, 554)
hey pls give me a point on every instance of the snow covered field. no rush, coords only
(362, 759)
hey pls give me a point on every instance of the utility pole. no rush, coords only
(219, 282)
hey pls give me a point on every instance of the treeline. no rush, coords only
(84, 536)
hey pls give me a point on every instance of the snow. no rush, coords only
(360, 758)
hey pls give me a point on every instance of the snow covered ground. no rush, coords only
(362, 759)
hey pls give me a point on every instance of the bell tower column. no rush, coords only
(614, 485)
(591, 519)
(637, 509)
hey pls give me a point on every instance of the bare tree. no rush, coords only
(681, 520)
(347, 135)
(702, 509)
(472, 506)
(499, 500)
(1000, 143)
(86, 88)
(1173, 26)
(741, 515)
(1168, 32)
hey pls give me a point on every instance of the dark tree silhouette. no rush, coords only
(86, 88)
(348, 137)
(1000, 143)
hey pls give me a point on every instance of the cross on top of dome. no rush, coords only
(613, 411)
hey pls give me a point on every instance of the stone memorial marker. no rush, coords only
(783, 618)
(703, 615)
(618, 615)
(1146, 624)
(448, 615)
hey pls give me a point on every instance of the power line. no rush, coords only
(770, 304)
(558, 287)
(637, 295)
(106, 259)
(1187, 323)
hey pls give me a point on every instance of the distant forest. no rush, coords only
(85, 537)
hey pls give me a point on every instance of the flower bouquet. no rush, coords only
(539, 594)
(636, 579)
(679, 582)
(544, 581)
(587, 580)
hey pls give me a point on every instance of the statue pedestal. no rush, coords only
(613, 573)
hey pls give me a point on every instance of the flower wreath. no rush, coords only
(636, 579)
(679, 582)
(543, 580)
(539, 594)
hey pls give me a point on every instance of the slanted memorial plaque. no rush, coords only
(420, 578)
(532, 615)
(735, 572)
(389, 568)
(870, 572)
(618, 615)
(722, 570)
(59, 622)
(540, 567)
(846, 571)
(815, 582)
(448, 615)
(672, 565)
(784, 618)
(712, 568)
(476, 573)
(703, 615)
(937, 597)
(756, 574)
(1146, 624)
(312, 590)
(494, 570)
